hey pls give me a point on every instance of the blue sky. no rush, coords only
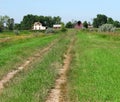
(68, 10)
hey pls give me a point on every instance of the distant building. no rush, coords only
(38, 26)
(57, 26)
(79, 25)
(90, 26)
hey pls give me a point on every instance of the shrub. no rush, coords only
(50, 30)
(63, 29)
(17, 32)
(107, 28)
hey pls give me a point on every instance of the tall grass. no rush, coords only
(94, 74)
(34, 83)
(14, 53)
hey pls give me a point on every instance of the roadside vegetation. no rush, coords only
(94, 74)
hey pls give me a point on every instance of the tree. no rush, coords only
(57, 20)
(95, 23)
(100, 20)
(30, 19)
(10, 24)
(116, 24)
(49, 21)
(110, 20)
(1, 27)
(28, 22)
(69, 25)
(17, 26)
(85, 24)
(3, 22)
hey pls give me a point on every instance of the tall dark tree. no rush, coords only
(10, 24)
(49, 21)
(116, 24)
(42, 20)
(100, 20)
(95, 23)
(27, 22)
(110, 20)
(85, 24)
(17, 26)
(1, 27)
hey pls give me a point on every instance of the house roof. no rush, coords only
(37, 23)
(57, 25)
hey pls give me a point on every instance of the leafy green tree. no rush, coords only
(110, 20)
(17, 26)
(41, 19)
(95, 23)
(85, 24)
(100, 20)
(69, 24)
(57, 20)
(27, 22)
(10, 24)
(49, 21)
(3, 22)
(116, 24)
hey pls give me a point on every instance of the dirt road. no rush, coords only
(59, 92)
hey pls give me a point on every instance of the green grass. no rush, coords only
(33, 84)
(95, 71)
(5, 34)
(14, 53)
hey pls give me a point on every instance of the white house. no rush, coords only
(57, 26)
(38, 26)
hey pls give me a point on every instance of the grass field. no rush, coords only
(34, 83)
(93, 75)
(13, 53)
(95, 71)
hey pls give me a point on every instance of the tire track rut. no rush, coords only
(59, 92)
(12, 73)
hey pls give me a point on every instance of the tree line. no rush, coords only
(7, 23)
(28, 21)
(103, 19)
(97, 22)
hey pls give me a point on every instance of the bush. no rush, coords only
(17, 32)
(50, 30)
(107, 28)
(63, 29)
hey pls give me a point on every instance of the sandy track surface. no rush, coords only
(58, 93)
